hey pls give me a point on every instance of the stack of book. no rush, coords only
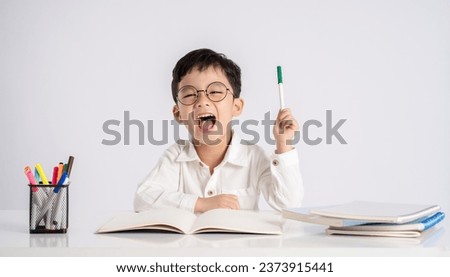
(365, 218)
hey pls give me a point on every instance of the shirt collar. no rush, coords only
(236, 153)
(188, 152)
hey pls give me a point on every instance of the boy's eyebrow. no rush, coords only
(216, 81)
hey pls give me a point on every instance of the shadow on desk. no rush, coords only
(300, 240)
(427, 239)
(213, 240)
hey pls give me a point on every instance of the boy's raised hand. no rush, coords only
(224, 201)
(284, 131)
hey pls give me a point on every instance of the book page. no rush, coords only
(401, 234)
(302, 214)
(175, 220)
(238, 221)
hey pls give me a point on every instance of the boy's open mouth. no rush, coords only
(206, 121)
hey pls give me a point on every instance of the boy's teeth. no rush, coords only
(204, 115)
(206, 121)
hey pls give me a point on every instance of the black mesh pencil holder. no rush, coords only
(49, 208)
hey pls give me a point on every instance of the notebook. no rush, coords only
(303, 214)
(380, 212)
(412, 229)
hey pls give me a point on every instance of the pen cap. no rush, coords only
(279, 75)
(30, 175)
(69, 165)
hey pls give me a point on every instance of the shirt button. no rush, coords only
(210, 193)
(275, 162)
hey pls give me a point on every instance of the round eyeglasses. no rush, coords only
(215, 92)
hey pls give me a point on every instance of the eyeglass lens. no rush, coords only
(215, 92)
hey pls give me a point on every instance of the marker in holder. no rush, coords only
(49, 208)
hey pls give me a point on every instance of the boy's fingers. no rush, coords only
(285, 118)
(232, 201)
(228, 201)
(235, 205)
(229, 196)
(284, 112)
(290, 123)
(286, 123)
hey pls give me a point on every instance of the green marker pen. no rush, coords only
(280, 86)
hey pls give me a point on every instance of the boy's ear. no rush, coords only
(238, 106)
(176, 113)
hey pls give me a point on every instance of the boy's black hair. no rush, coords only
(201, 59)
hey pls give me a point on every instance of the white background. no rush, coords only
(68, 66)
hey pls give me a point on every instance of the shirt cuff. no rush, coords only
(285, 159)
(188, 202)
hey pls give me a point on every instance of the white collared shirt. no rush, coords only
(180, 177)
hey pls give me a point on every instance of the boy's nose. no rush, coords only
(202, 99)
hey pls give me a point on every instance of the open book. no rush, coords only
(184, 222)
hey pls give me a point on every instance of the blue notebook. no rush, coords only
(419, 225)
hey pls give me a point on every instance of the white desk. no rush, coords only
(298, 239)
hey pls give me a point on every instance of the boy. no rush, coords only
(215, 169)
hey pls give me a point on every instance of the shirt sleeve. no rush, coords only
(280, 180)
(160, 189)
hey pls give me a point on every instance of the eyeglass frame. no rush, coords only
(206, 93)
